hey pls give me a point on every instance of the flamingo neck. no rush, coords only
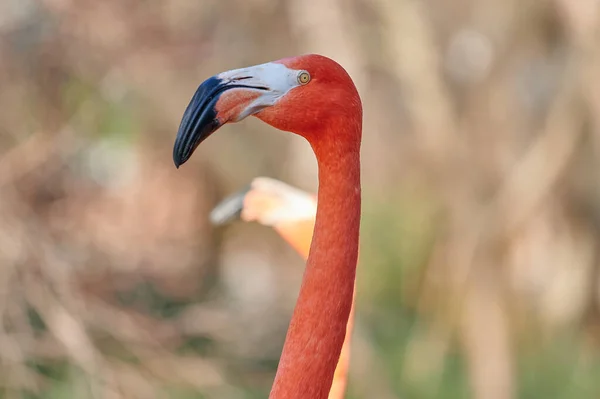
(318, 326)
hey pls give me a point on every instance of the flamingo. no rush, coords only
(290, 212)
(314, 97)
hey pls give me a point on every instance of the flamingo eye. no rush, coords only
(303, 77)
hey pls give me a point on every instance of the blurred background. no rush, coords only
(479, 274)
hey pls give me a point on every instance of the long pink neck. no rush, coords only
(318, 326)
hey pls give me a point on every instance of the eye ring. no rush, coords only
(303, 77)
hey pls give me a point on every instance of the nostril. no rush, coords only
(242, 78)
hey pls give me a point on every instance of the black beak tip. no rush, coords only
(199, 119)
(177, 159)
(178, 156)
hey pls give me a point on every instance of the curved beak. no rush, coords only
(229, 97)
(202, 116)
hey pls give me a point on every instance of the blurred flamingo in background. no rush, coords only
(314, 97)
(291, 212)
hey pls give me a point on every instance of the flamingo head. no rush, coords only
(267, 201)
(300, 94)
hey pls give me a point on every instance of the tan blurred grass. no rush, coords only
(481, 197)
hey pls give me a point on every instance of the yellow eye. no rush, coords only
(303, 77)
